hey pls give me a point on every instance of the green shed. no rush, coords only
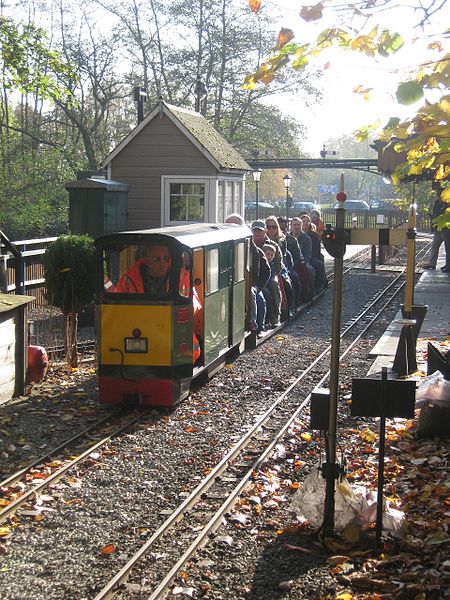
(97, 206)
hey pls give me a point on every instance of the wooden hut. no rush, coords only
(13, 345)
(179, 170)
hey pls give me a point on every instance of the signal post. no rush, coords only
(324, 403)
(334, 242)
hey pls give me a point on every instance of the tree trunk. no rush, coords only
(70, 342)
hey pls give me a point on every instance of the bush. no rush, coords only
(69, 272)
(69, 280)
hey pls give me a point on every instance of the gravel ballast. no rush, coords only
(120, 495)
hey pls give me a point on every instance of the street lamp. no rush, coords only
(287, 184)
(256, 179)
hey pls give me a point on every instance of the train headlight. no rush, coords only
(136, 345)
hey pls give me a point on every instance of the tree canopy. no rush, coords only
(422, 138)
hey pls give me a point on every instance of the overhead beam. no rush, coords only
(358, 164)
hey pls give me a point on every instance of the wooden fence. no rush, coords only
(32, 254)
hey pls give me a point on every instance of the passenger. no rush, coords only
(260, 275)
(149, 274)
(289, 277)
(272, 290)
(184, 289)
(260, 237)
(317, 259)
(185, 275)
(317, 220)
(306, 271)
(438, 237)
(235, 219)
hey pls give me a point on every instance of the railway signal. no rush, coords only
(331, 470)
(324, 402)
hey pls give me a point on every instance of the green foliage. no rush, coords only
(26, 62)
(69, 272)
(409, 92)
(33, 200)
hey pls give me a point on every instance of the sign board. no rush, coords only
(399, 397)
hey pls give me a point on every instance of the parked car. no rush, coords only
(353, 205)
(305, 206)
(260, 205)
(383, 205)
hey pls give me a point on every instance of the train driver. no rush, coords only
(149, 274)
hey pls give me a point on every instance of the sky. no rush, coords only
(342, 111)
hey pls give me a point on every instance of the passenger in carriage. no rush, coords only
(306, 270)
(289, 247)
(260, 275)
(317, 259)
(316, 218)
(260, 237)
(272, 290)
(149, 274)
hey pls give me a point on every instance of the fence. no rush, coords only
(362, 218)
(32, 254)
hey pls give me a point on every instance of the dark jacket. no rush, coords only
(305, 245)
(260, 268)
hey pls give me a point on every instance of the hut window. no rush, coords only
(229, 198)
(187, 201)
(221, 202)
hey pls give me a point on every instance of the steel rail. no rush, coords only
(54, 451)
(112, 587)
(56, 476)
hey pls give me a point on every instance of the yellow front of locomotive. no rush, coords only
(144, 321)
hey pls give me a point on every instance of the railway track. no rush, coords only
(55, 464)
(220, 490)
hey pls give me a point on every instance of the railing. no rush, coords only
(359, 218)
(32, 252)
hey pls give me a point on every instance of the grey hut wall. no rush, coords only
(158, 149)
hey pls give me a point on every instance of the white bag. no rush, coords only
(433, 389)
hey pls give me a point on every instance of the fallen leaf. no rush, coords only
(190, 429)
(108, 549)
(298, 549)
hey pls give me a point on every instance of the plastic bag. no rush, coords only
(354, 506)
(309, 500)
(433, 389)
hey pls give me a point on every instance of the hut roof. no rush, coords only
(198, 129)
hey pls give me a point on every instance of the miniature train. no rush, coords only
(170, 304)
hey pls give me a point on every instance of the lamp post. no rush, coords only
(287, 184)
(256, 179)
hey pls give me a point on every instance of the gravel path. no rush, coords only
(96, 518)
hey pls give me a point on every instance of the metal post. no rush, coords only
(405, 361)
(287, 204)
(373, 258)
(410, 260)
(381, 453)
(257, 198)
(331, 471)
